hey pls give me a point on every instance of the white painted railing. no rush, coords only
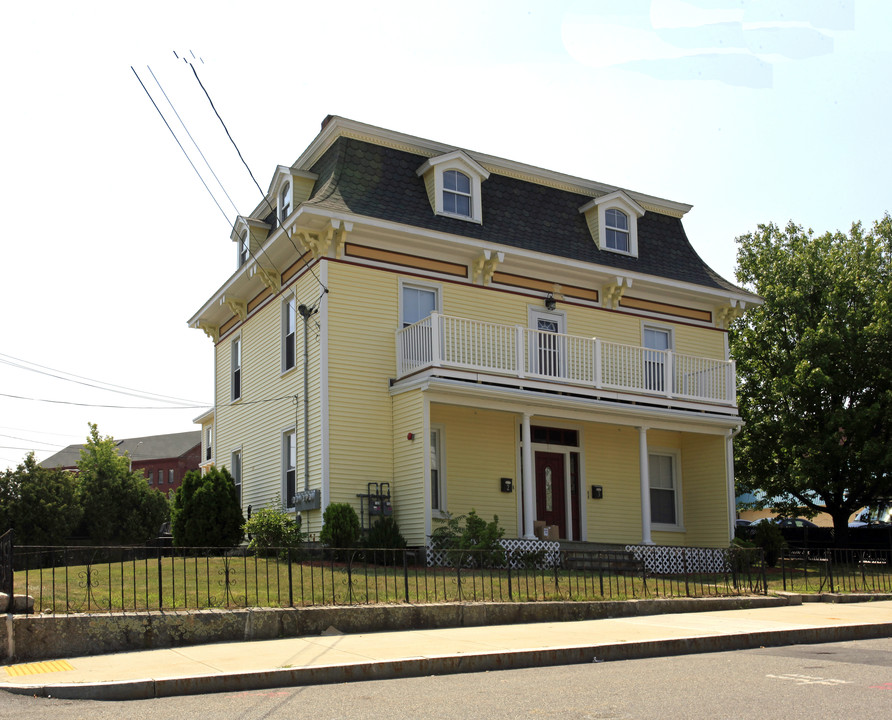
(454, 342)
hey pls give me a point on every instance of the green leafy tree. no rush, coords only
(40, 504)
(118, 504)
(815, 369)
(205, 511)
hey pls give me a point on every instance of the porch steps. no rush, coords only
(599, 557)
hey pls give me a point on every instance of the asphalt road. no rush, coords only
(834, 680)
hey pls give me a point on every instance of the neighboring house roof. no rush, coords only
(141, 449)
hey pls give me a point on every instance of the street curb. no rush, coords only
(448, 664)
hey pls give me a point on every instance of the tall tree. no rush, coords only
(815, 369)
(119, 505)
(39, 503)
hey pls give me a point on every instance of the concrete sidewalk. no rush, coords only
(225, 667)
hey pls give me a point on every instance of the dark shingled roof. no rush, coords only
(381, 182)
(151, 447)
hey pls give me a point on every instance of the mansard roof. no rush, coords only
(379, 181)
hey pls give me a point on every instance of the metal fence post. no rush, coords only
(160, 582)
(7, 571)
(406, 572)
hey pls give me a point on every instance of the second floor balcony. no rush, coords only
(449, 342)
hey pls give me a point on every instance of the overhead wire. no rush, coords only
(90, 382)
(213, 197)
(247, 167)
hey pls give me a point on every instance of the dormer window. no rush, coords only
(285, 201)
(456, 193)
(453, 185)
(242, 248)
(613, 222)
(616, 227)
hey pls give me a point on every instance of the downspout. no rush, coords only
(732, 494)
(306, 313)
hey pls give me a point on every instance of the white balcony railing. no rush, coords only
(452, 342)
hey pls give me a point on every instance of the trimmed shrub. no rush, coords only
(385, 534)
(272, 529)
(205, 511)
(340, 526)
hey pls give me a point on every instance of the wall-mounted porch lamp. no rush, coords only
(550, 302)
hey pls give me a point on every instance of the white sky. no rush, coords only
(750, 111)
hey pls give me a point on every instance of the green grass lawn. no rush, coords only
(227, 582)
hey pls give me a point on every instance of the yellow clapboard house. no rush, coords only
(466, 332)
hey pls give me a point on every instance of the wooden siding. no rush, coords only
(409, 479)
(480, 448)
(362, 359)
(705, 487)
(611, 461)
(256, 423)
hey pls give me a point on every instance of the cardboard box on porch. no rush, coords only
(539, 528)
(549, 532)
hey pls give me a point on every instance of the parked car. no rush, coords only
(740, 522)
(795, 522)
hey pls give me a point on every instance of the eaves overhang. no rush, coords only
(456, 392)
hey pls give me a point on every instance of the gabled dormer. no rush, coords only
(249, 235)
(613, 222)
(453, 185)
(289, 188)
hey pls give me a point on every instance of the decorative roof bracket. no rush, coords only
(614, 291)
(270, 278)
(212, 331)
(485, 265)
(727, 314)
(237, 305)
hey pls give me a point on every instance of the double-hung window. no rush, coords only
(664, 495)
(236, 364)
(289, 467)
(285, 202)
(437, 474)
(616, 226)
(456, 193)
(243, 248)
(289, 321)
(418, 303)
(237, 474)
(208, 443)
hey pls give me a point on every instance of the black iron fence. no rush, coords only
(811, 570)
(125, 579)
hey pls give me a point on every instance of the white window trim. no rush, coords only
(284, 464)
(291, 298)
(441, 512)
(436, 288)
(457, 160)
(285, 199)
(675, 455)
(243, 242)
(617, 200)
(232, 396)
(241, 473)
(648, 325)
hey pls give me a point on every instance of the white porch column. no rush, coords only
(645, 487)
(732, 493)
(528, 477)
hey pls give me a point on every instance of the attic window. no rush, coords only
(456, 193)
(453, 185)
(285, 201)
(242, 248)
(616, 227)
(612, 220)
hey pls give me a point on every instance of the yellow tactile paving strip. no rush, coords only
(37, 668)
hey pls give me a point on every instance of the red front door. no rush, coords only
(550, 491)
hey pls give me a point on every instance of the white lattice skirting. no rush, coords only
(518, 552)
(663, 560)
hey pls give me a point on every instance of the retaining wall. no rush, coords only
(39, 637)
